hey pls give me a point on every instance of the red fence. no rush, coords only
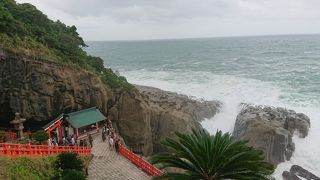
(11, 135)
(15, 150)
(140, 162)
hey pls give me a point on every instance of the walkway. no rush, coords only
(108, 164)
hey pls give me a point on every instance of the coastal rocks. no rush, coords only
(298, 172)
(270, 129)
(197, 109)
(163, 112)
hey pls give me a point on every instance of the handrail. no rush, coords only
(140, 162)
(16, 150)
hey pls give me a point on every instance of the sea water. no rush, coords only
(268, 70)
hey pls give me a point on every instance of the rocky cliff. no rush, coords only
(165, 112)
(271, 129)
(42, 90)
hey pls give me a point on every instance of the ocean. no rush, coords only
(264, 70)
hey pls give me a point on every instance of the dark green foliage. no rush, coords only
(1, 134)
(214, 157)
(25, 29)
(69, 161)
(73, 175)
(40, 136)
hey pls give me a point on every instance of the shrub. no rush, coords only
(40, 136)
(72, 174)
(69, 161)
(33, 168)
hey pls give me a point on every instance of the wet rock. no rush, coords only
(296, 172)
(270, 129)
(163, 112)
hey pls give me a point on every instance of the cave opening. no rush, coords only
(6, 115)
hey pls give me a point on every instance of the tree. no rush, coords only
(71, 166)
(72, 174)
(40, 136)
(68, 161)
(212, 157)
(25, 29)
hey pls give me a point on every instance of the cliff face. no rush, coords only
(42, 90)
(151, 115)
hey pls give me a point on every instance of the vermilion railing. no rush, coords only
(12, 135)
(16, 150)
(140, 162)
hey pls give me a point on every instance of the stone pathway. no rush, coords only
(108, 164)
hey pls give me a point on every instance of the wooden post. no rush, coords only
(49, 133)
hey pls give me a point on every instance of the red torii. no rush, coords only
(57, 124)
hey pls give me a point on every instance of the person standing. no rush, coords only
(90, 140)
(110, 142)
(109, 123)
(73, 142)
(117, 145)
(49, 142)
(104, 131)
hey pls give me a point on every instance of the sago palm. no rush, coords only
(212, 157)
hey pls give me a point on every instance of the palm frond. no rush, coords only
(200, 155)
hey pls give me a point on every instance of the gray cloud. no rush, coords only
(143, 19)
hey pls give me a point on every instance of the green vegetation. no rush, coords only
(212, 157)
(71, 165)
(24, 29)
(28, 168)
(40, 136)
(68, 161)
(73, 175)
(44, 168)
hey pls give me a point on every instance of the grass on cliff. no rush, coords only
(43, 168)
(26, 30)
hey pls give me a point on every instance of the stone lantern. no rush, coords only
(18, 124)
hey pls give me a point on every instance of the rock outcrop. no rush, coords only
(270, 130)
(167, 112)
(41, 91)
(298, 172)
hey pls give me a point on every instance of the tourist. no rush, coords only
(113, 134)
(81, 143)
(90, 140)
(73, 142)
(64, 141)
(49, 142)
(53, 141)
(108, 131)
(85, 142)
(103, 135)
(109, 125)
(117, 145)
(110, 141)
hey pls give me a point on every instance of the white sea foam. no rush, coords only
(232, 91)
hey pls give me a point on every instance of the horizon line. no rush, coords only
(205, 37)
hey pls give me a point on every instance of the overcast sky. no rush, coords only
(162, 19)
